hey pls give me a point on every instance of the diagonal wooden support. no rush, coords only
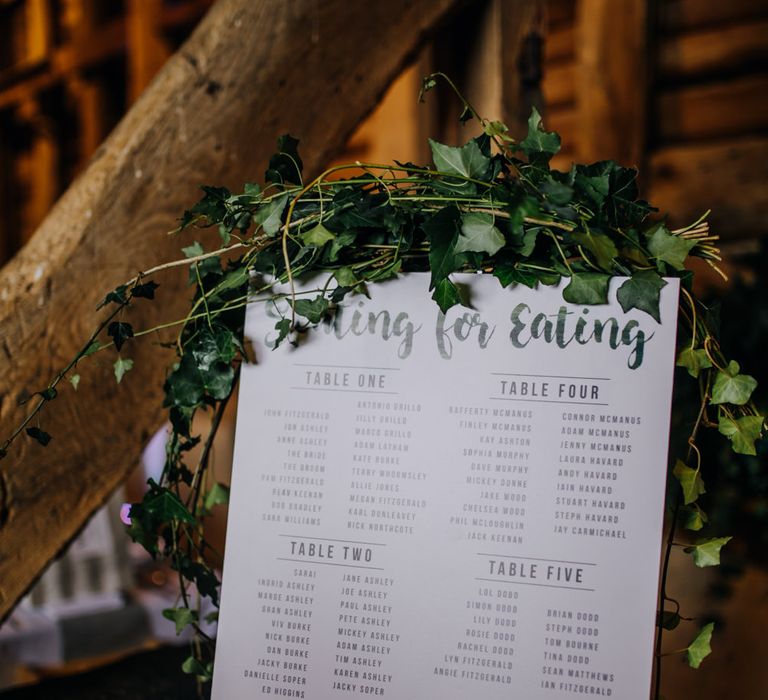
(252, 70)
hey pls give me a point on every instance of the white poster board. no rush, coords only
(438, 508)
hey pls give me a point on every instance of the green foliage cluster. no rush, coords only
(493, 205)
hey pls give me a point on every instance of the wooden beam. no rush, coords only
(38, 30)
(87, 100)
(37, 167)
(147, 49)
(684, 15)
(714, 51)
(559, 44)
(493, 35)
(559, 85)
(727, 177)
(612, 68)
(716, 110)
(522, 28)
(210, 116)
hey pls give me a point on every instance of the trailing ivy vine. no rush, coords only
(493, 205)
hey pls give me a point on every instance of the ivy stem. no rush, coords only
(202, 464)
(668, 548)
(62, 373)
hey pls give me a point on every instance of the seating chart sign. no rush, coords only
(438, 507)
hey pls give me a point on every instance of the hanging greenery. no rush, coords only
(493, 205)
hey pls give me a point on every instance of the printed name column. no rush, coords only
(385, 487)
(297, 484)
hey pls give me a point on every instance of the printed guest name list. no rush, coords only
(432, 506)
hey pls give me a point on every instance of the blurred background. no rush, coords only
(691, 88)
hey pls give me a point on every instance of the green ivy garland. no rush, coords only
(493, 205)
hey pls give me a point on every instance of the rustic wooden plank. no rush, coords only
(37, 167)
(559, 84)
(612, 60)
(560, 12)
(714, 51)
(559, 44)
(147, 49)
(684, 15)
(727, 177)
(70, 58)
(716, 110)
(488, 69)
(38, 30)
(565, 122)
(87, 98)
(521, 27)
(212, 116)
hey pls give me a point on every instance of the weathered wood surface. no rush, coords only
(715, 51)
(727, 177)
(612, 80)
(728, 108)
(683, 15)
(251, 71)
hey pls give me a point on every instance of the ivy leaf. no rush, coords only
(466, 161)
(165, 506)
(479, 234)
(694, 518)
(40, 435)
(193, 667)
(742, 432)
(121, 367)
(269, 215)
(312, 309)
(667, 247)
(602, 247)
(119, 332)
(642, 291)
(145, 290)
(667, 619)
(707, 552)
(218, 495)
(204, 578)
(285, 166)
(192, 251)
(205, 368)
(690, 481)
(497, 129)
(594, 181)
(700, 648)
(74, 380)
(732, 387)
(693, 360)
(539, 145)
(345, 277)
(338, 244)
(283, 328)
(446, 295)
(181, 617)
(116, 296)
(92, 348)
(623, 207)
(587, 288)
(442, 231)
(317, 236)
(509, 275)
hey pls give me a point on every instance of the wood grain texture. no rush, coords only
(717, 51)
(727, 177)
(612, 80)
(728, 108)
(684, 15)
(251, 71)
